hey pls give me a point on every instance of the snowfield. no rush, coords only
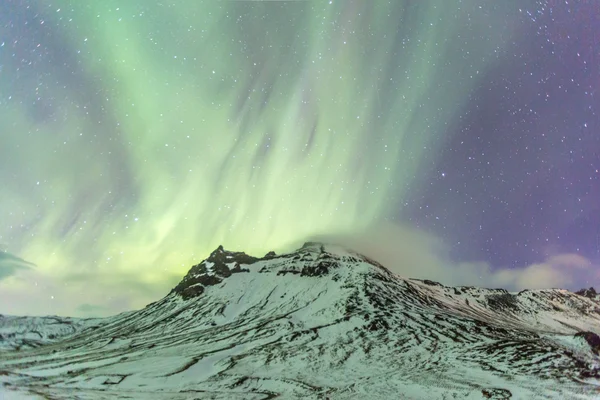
(17, 333)
(318, 323)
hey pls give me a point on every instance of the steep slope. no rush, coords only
(323, 322)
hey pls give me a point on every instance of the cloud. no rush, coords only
(412, 253)
(93, 310)
(10, 264)
(570, 271)
(91, 294)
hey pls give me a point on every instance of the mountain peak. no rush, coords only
(218, 250)
(312, 259)
(590, 293)
(219, 265)
(220, 255)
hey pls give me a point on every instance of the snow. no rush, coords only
(356, 331)
(15, 395)
(17, 332)
(209, 265)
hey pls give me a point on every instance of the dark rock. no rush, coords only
(589, 373)
(222, 256)
(496, 394)
(377, 324)
(198, 269)
(238, 269)
(190, 292)
(589, 293)
(221, 264)
(592, 339)
(286, 271)
(505, 301)
(319, 269)
(205, 280)
(221, 269)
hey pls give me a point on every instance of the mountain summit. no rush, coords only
(323, 322)
(591, 293)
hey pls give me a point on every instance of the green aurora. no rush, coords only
(172, 129)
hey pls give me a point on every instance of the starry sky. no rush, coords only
(137, 136)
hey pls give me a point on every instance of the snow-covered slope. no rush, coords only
(18, 333)
(323, 322)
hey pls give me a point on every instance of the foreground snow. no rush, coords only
(321, 323)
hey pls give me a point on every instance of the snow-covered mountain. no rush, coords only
(322, 322)
(17, 333)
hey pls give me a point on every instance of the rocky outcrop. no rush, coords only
(589, 293)
(219, 265)
(592, 339)
(496, 394)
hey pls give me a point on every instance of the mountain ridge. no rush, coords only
(238, 258)
(324, 322)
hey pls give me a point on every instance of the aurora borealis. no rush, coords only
(135, 137)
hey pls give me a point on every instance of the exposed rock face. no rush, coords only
(592, 339)
(219, 265)
(496, 394)
(504, 301)
(321, 268)
(590, 293)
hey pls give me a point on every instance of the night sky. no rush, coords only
(453, 140)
